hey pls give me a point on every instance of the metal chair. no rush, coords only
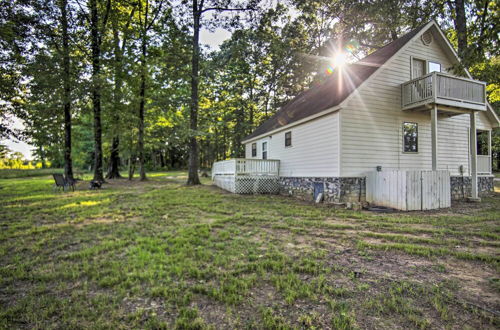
(63, 183)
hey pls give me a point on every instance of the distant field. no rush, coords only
(159, 254)
(10, 174)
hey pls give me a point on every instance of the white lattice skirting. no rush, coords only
(248, 184)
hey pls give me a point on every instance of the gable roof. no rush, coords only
(334, 89)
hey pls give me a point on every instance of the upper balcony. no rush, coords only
(444, 90)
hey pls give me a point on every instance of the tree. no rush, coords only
(145, 25)
(96, 32)
(198, 9)
(120, 42)
(68, 166)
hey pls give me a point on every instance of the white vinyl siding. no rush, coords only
(371, 125)
(314, 149)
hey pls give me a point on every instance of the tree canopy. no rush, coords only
(108, 85)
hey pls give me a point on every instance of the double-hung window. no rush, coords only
(288, 139)
(410, 137)
(264, 150)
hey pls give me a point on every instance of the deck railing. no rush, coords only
(241, 166)
(442, 88)
(483, 164)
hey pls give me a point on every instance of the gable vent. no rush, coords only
(427, 38)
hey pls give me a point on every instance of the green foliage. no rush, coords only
(276, 52)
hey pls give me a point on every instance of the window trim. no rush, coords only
(426, 66)
(264, 150)
(403, 137)
(290, 139)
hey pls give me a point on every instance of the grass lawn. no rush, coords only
(159, 254)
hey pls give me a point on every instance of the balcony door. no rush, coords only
(418, 67)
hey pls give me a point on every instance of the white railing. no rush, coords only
(438, 87)
(240, 166)
(483, 164)
(224, 167)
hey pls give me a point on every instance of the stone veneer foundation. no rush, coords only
(353, 189)
(461, 186)
(335, 190)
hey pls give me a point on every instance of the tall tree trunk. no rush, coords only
(68, 165)
(460, 22)
(142, 94)
(131, 167)
(96, 92)
(193, 178)
(114, 158)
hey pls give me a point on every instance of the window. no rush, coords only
(434, 67)
(483, 143)
(254, 149)
(410, 137)
(264, 150)
(288, 139)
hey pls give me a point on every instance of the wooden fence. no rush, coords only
(409, 190)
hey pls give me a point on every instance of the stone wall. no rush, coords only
(335, 190)
(353, 189)
(461, 187)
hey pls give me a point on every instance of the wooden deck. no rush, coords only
(247, 176)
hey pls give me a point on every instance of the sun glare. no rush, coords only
(339, 60)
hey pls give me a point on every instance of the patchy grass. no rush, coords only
(159, 254)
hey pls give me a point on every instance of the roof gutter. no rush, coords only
(295, 123)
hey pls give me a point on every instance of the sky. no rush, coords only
(212, 39)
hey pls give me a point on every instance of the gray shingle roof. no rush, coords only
(334, 89)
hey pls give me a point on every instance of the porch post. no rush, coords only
(490, 154)
(473, 154)
(434, 137)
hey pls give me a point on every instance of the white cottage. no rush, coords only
(398, 110)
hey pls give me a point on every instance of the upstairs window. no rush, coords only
(264, 150)
(254, 149)
(434, 67)
(410, 137)
(288, 139)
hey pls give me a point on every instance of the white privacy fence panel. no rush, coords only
(483, 164)
(409, 190)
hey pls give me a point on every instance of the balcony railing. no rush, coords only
(444, 89)
(483, 164)
(241, 166)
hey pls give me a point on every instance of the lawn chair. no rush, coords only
(62, 183)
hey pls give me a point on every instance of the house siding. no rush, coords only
(314, 151)
(371, 122)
